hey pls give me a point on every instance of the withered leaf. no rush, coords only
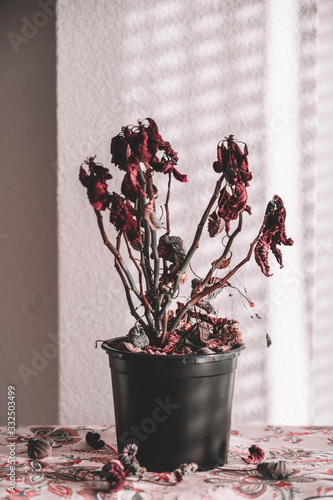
(225, 263)
(215, 225)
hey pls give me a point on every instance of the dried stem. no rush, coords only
(218, 262)
(126, 287)
(156, 258)
(195, 244)
(165, 328)
(167, 213)
(144, 300)
(145, 262)
(121, 268)
(217, 285)
(150, 191)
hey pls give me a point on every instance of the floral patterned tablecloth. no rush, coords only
(308, 451)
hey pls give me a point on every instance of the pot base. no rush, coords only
(177, 409)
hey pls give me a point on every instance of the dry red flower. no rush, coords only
(114, 473)
(95, 182)
(273, 234)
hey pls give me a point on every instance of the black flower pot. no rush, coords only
(175, 408)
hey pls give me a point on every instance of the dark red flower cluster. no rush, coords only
(273, 234)
(114, 473)
(95, 182)
(232, 161)
(172, 341)
(141, 144)
(227, 334)
(122, 217)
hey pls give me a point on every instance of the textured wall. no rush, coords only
(202, 70)
(28, 216)
(323, 339)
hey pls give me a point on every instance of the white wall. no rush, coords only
(202, 70)
(323, 339)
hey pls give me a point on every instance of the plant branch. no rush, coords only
(150, 191)
(126, 287)
(195, 244)
(146, 268)
(217, 285)
(144, 300)
(120, 266)
(167, 213)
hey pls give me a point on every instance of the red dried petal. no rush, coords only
(172, 341)
(261, 254)
(95, 182)
(121, 214)
(233, 162)
(273, 234)
(256, 455)
(83, 177)
(144, 153)
(218, 165)
(119, 151)
(180, 177)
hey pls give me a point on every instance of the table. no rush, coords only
(67, 473)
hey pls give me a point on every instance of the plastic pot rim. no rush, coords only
(171, 359)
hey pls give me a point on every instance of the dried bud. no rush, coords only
(256, 455)
(39, 448)
(114, 473)
(94, 440)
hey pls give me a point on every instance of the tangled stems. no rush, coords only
(193, 301)
(194, 247)
(124, 274)
(161, 267)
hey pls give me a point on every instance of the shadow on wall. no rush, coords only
(206, 73)
(28, 222)
(202, 72)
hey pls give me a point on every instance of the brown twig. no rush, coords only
(123, 271)
(146, 268)
(128, 293)
(164, 328)
(195, 244)
(143, 297)
(150, 191)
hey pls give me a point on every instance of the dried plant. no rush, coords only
(162, 263)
